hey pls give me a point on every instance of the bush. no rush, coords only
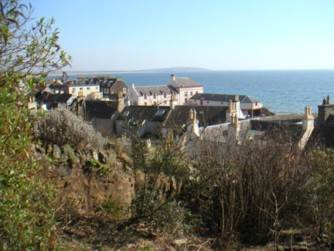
(242, 192)
(26, 216)
(62, 127)
(320, 189)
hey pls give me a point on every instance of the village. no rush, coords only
(180, 107)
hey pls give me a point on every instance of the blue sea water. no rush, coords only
(280, 91)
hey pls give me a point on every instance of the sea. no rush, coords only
(282, 92)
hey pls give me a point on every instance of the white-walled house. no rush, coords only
(87, 89)
(248, 105)
(185, 88)
(181, 88)
(150, 95)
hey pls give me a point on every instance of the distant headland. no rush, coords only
(159, 70)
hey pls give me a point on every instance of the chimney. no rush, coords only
(193, 123)
(120, 102)
(325, 110)
(172, 77)
(308, 126)
(233, 130)
(173, 101)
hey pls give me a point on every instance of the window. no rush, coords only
(73, 90)
(165, 94)
(145, 96)
(88, 88)
(154, 95)
(191, 93)
(81, 88)
(96, 88)
(186, 94)
(185, 100)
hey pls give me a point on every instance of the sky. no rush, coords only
(112, 35)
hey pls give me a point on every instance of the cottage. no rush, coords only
(110, 86)
(48, 100)
(249, 106)
(150, 95)
(185, 88)
(144, 121)
(182, 88)
(81, 88)
(103, 114)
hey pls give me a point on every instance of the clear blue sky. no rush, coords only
(212, 34)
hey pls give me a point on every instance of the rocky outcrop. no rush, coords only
(89, 181)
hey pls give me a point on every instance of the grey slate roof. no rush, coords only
(223, 97)
(206, 115)
(183, 82)
(99, 109)
(156, 89)
(283, 127)
(323, 132)
(137, 114)
(50, 98)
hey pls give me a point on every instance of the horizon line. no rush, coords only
(193, 69)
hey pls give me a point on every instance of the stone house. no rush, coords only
(102, 114)
(143, 121)
(111, 87)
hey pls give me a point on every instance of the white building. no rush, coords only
(248, 105)
(87, 89)
(182, 88)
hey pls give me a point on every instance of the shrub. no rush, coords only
(320, 188)
(62, 127)
(242, 192)
(26, 216)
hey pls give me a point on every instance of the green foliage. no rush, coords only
(160, 172)
(26, 218)
(112, 208)
(27, 49)
(321, 188)
(242, 192)
(95, 165)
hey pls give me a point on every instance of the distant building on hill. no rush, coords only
(181, 88)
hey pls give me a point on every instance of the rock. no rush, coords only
(56, 153)
(95, 155)
(179, 242)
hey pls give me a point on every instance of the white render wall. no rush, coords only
(184, 93)
(243, 106)
(83, 90)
